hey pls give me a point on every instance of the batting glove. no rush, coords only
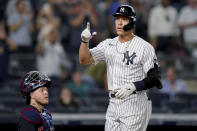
(86, 35)
(125, 91)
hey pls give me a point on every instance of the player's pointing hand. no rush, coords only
(88, 26)
(86, 34)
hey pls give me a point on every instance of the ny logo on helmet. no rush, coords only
(122, 9)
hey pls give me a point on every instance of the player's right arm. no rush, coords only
(85, 56)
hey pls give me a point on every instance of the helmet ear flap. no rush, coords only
(130, 25)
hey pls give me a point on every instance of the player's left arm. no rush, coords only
(152, 70)
(153, 79)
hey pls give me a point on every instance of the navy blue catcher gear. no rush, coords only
(128, 11)
(32, 115)
(41, 121)
(33, 80)
(47, 118)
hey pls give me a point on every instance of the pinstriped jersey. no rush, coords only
(126, 62)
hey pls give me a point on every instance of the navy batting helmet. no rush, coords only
(33, 80)
(128, 11)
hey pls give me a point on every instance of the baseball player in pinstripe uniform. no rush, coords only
(132, 69)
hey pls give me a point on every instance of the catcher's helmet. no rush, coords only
(32, 81)
(128, 11)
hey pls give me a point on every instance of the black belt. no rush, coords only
(112, 95)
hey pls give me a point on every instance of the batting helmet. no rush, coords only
(128, 11)
(33, 80)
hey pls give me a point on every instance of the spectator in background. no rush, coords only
(178, 48)
(81, 12)
(188, 23)
(20, 25)
(67, 100)
(162, 26)
(97, 74)
(46, 17)
(11, 6)
(149, 3)
(142, 17)
(171, 84)
(102, 7)
(6, 45)
(77, 86)
(52, 59)
(61, 10)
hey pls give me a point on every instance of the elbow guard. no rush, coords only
(153, 78)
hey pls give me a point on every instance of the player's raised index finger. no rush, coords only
(88, 25)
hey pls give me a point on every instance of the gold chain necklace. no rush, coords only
(128, 43)
(125, 49)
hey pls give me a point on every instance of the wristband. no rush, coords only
(140, 85)
(84, 42)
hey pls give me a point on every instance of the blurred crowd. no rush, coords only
(51, 29)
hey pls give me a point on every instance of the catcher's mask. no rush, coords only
(33, 80)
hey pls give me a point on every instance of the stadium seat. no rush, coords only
(157, 101)
(177, 106)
